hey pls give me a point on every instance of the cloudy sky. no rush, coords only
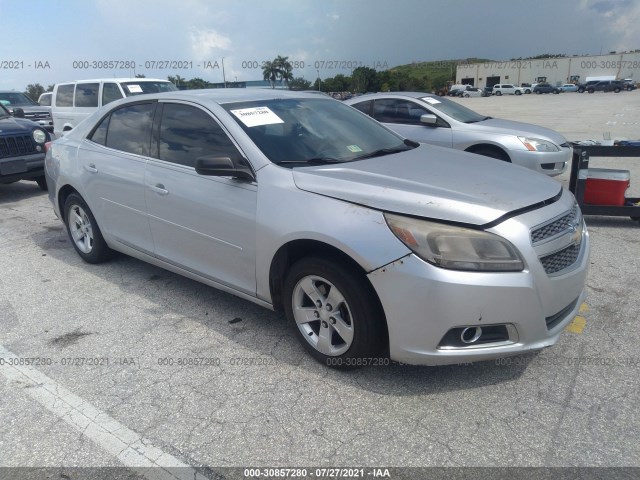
(376, 33)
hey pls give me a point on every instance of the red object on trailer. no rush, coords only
(605, 186)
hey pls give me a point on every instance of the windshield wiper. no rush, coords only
(481, 120)
(314, 161)
(384, 151)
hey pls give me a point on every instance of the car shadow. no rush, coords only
(15, 192)
(617, 222)
(265, 333)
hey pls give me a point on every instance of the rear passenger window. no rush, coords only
(110, 93)
(87, 94)
(129, 128)
(364, 107)
(99, 135)
(187, 133)
(398, 111)
(64, 95)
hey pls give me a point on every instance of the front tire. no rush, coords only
(518, 92)
(498, 93)
(42, 183)
(335, 313)
(83, 231)
(492, 153)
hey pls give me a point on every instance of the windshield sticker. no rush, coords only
(134, 88)
(257, 116)
(354, 148)
(431, 100)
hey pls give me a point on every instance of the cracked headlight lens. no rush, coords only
(455, 248)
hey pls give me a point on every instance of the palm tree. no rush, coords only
(270, 72)
(284, 68)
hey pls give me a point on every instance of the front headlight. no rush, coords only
(39, 136)
(538, 145)
(455, 248)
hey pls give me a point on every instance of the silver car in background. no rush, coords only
(375, 247)
(439, 121)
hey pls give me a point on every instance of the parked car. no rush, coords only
(487, 91)
(472, 92)
(507, 89)
(606, 86)
(32, 111)
(568, 87)
(374, 246)
(583, 87)
(75, 101)
(526, 87)
(22, 149)
(440, 121)
(545, 88)
(44, 100)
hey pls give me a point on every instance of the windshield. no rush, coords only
(16, 99)
(3, 111)
(454, 110)
(313, 130)
(139, 88)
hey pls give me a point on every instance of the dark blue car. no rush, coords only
(22, 148)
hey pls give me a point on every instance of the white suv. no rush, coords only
(507, 89)
(72, 102)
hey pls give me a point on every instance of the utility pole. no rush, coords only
(224, 78)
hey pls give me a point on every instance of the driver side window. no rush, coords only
(398, 111)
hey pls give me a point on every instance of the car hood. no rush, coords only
(498, 126)
(16, 126)
(432, 182)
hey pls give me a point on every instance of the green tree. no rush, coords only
(366, 79)
(140, 75)
(197, 83)
(33, 91)
(177, 80)
(284, 69)
(270, 73)
(300, 83)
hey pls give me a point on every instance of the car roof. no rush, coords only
(399, 94)
(231, 95)
(111, 79)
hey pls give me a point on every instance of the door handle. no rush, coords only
(159, 189)
(91, 168)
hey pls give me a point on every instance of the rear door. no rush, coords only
(112, 163)
(203, 224)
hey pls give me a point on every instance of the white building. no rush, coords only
(553, 70)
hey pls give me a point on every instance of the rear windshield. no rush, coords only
(139, 88)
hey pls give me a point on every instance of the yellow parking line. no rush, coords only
(584, 308)
(577, 325)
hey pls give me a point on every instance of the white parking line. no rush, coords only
(134, 451)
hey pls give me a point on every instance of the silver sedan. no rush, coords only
(373, 246)
(440, 121)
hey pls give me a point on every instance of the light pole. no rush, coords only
(224, 78)
(318, 79)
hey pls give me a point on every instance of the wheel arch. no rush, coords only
(488, 146)
(294, 250)
(63, 194)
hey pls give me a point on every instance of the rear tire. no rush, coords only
(335, 313)
(498, 93)
(518, 92)
(83, 230)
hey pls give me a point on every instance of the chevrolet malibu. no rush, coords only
(440, 121)
(374, 246)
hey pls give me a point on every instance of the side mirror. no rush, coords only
(18, 112)
(221, 167)
(429, 119)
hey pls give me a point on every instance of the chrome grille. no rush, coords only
(16, 145)
(560, 260)
(555, 227)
